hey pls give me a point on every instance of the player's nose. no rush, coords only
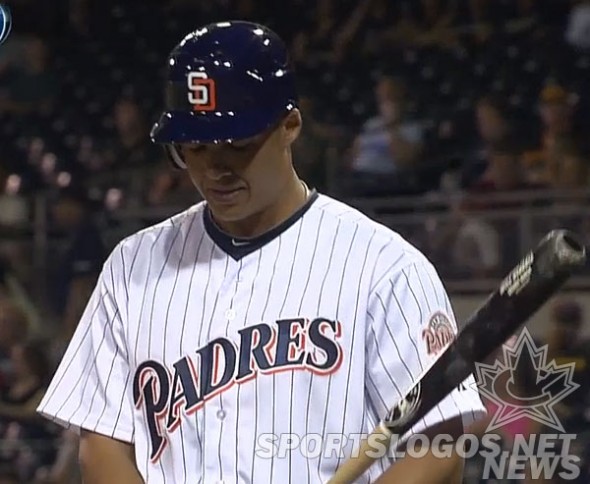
(217, 166)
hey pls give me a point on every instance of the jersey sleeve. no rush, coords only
(410, 320)
(91, 387)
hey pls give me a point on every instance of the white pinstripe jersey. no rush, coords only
(193, 346)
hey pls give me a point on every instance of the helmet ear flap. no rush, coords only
(174, 157)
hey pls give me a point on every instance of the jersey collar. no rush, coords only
(237, 247)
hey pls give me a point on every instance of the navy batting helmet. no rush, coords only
(226, 81)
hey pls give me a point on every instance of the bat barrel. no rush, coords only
(537, 277)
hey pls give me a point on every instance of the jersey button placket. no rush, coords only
(216, 415)
(230, 314)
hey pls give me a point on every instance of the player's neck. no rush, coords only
(294, 197)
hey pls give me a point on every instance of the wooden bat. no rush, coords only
(538, 275)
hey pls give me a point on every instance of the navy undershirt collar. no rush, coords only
(237, 247)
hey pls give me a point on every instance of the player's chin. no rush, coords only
(230, 211)
(229, 214)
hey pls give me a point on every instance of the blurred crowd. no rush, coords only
(398, 98)
(455, 99)
(407, 98)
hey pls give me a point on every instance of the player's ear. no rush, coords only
(292, 126)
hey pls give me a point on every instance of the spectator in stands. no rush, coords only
(314, 43)
(14, 204)
(387, 151)
(30, 86)
(475, 21)
(316, 147)
(569, 166)
(557, 123)
(130, 157)
(504, 172)
(14, 329)
(350, 31)
(481, 246)
(14, 291)
(492, 119)
(481, 20)
(21, 428)
(578, 27)
(493, 126)
(77, 269)
(383, 27)
(30, 370)
(431, 23)
(568, 345)
(327, 34)
(130, 142)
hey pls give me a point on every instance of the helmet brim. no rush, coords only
(218, 127)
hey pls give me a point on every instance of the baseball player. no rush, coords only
(220, 344)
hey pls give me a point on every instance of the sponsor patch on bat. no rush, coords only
(438, 334)
(519, 277)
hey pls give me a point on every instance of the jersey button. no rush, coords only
(230, 314)
(220, 414)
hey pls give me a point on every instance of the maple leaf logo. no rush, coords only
(552, 384)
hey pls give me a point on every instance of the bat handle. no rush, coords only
(356, 466)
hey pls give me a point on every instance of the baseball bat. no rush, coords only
(538, 275)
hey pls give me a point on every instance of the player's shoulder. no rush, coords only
(390, 244)
(161, 233)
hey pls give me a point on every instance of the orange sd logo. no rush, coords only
(201, 92)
